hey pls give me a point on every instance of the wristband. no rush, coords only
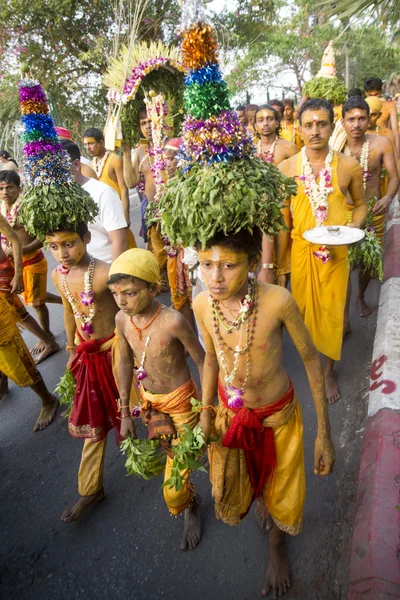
(70, 348)
(268, 265)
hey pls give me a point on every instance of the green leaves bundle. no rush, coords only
(333, 90)
(50, 208)
(143, 459)
(191, 443)
(369, 253)
(225, 197)
(66, 391)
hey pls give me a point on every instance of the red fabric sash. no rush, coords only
(6, 274)
(94, 411)
(32, 261)
(247, 432)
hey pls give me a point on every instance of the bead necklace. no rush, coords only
(11, 217)
(86, 297)
(364, 159)
(267, 155)
(140, 372)
(317, 193)
(235, 395)
(245, 308)
(139, 330)
(98, 164)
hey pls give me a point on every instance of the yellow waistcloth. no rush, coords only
(178, 297)
(283, 496)
(35, 280)
(177, 405)
(320, 289)
(378, 223)
(157, 246)
(15, 359)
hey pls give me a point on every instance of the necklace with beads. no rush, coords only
(363, 160)
(86, 297)
(139, 330)
(140, 372)
(247, 321)
(98, 164)
(317, 193)
(267, 155)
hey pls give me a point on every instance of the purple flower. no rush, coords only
(62, 269)
(136, 412)
(235, 399)
(87, 298)
(87, 328)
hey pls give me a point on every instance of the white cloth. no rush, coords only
(85, 160)
(110, 217)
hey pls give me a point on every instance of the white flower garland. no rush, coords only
(98, 164)
(268, 156)
(86, 297)
(317, 193)
(364, 160)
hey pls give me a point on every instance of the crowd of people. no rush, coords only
(229, 305)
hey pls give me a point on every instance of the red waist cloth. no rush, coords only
(247, 432)
(32, 261)
(6, 274)
(94, 411)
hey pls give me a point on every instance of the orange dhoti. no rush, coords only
(35, 278)
(178, 279)
(177, 405)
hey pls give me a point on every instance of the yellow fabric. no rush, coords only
(349, 209)
(177, 405)
(378, 223)
(287, 133)
(35, 281)
(157, 247)
(91, 469)
(283, 496)
(15, 360)
(131, 240)
(337, 112)
(178, 298)
(320, 289)
(374, 102)
(137, 263)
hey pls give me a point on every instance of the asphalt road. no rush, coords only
(128, 545)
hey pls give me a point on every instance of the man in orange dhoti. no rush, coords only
(156, 337)
(320, 276)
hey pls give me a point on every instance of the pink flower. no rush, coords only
(87, 328)
(235, 399)
(62, 269)
(87, 298)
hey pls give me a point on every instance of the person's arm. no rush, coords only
(357, 193)
(324, 451)
(17, 282)
(185, 334)
(35, 244)
(119, 174)
(119, 242)
(389, 162)
(291, 150)
(209, 381)
(130, 168)
(69, 319)
(394, 126)
(125, 378)
(266, 274)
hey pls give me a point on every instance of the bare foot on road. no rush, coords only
(363, 308)
(331, 388)
(346, 327)
(191, 527)
(48, 350)
(46, 415)
(277, 578)
(78, 510)
(263, 517)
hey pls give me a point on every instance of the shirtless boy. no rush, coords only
(388, 118)
(34, 264)
(375, 153)
(244, 362)
(156, 337)
(89, 318)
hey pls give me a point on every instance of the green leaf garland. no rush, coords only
(66, 391)
(143, 459)
(333, 90)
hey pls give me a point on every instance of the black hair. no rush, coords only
(72, 149)
(373, 84)
(7, 156)
(118, 276)
(354, 102)
(81, 229)
(288, 102)
(142, 114)
(241, 107)
(250, 108)
(10, 177)
(354, 92)
(276, 102)
(276, 115)
(246, 241)
(317, 104)
(95, 133)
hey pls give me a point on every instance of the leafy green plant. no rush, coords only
(143, 459)
(191, 444)
(333, 90)
(66, 391)
(369, 250)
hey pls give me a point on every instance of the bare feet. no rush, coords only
(346, 327)
(363, 308)
(277, 578)
(263, 516)
(191, 526)
(331, 388)
(47, 414)
(3, 385)
(48, 350)
(78, 510)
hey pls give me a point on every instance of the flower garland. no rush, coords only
(268, 155)
(317, 193)
(86, 297)
(133, 82)
(364, 160)
(12, 218)
(140, 373)
(247, 315)
(98, 163)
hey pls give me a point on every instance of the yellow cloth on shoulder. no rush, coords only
(290, 133)
(319, 289)
(284, 496)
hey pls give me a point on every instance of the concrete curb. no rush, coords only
(375, 557)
